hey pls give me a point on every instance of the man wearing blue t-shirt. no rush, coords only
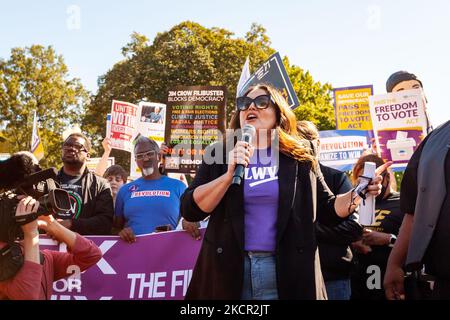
(150, 201)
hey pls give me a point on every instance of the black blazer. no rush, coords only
(218, 273)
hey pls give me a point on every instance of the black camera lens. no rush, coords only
(55, 202)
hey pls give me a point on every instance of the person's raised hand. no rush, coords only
(375, 186)
(107, 146)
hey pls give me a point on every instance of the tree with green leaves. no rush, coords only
(36, 79)
(315, 99)
(190, 54)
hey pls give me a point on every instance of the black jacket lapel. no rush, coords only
(235, 211)
(286, 184)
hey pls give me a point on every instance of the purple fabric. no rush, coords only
(157, 266)
(261, 201)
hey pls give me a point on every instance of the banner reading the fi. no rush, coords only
(351, 106)
(341, 149)
(195, 119)
(274, 73)
(157, 266)
(399, 124)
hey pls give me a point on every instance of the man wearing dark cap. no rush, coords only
(91, 199)
(403, 80)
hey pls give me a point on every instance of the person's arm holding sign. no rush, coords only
(102, 165)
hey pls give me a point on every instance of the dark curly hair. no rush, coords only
(14, 169)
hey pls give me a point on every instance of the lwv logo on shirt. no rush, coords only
(151, 193)
(260, 173)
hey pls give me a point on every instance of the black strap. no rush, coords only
(23, 220)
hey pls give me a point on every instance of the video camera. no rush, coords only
(40, 185)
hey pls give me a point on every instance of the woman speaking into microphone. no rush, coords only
(260, 241)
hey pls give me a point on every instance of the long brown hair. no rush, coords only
(286, 126)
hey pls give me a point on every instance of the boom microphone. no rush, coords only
(248, 132)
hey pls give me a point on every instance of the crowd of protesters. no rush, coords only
(299, 227)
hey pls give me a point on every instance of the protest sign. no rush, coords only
(351, 107)
(195, 119)
(152, 120)
(156, 266)
(399, 124)
(341, 149)
(151, 124)
(92, 163)
(108, 125)
(123, 125)
(274, 73)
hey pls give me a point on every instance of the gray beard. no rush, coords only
(147, 171)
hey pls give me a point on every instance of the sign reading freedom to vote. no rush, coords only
(156, 266)
(274, 73)
(195, 119)
(399, 124)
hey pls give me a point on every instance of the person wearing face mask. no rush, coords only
(379, 238)
(150, 201)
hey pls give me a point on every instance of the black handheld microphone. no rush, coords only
(248, 132)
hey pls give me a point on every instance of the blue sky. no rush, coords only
(342, 42)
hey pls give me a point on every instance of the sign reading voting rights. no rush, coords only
(274, 73)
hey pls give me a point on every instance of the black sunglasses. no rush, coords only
(261, 102)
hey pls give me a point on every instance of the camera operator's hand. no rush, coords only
(45, 223)
(26, 206)
(56, 230)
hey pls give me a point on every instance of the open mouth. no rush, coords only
(70, 154)
(251, 116)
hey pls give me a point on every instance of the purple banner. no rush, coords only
(156, 266)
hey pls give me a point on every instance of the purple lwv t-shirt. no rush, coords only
(261, 201)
